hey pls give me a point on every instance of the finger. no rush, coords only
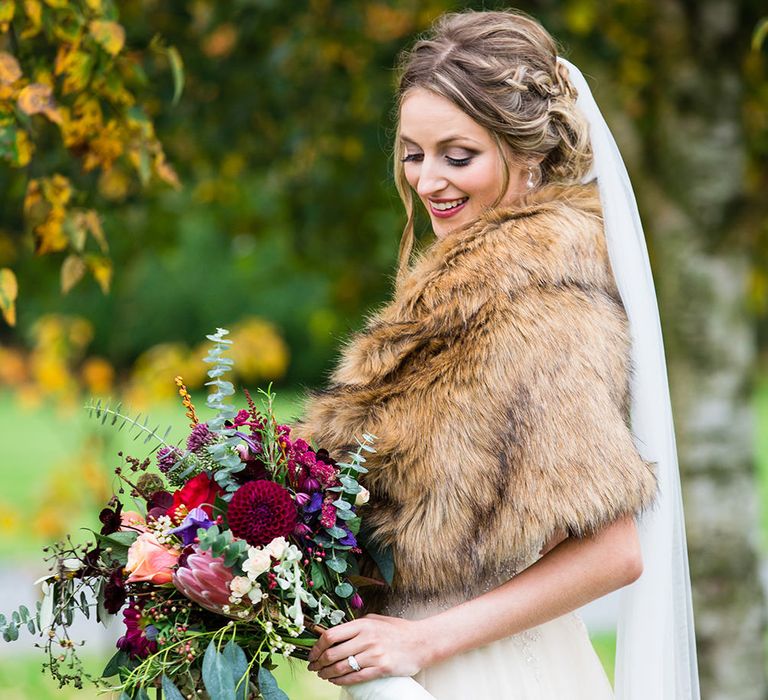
(335, 635)
(367, 674)
(342, 668)
(337, 653)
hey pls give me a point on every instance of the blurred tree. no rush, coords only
(70, 112)
(687, 96)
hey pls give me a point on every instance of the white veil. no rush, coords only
(656, 650)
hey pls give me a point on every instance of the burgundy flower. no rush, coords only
(328, 513)
(111, 519)
(260, 511)
(114, 592)
(158, 504)
(134, 642)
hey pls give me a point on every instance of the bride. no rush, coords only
(516, 384)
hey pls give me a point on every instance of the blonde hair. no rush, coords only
(501, 69)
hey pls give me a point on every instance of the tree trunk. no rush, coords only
(698, 151)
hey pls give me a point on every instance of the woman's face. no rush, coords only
(452, 162)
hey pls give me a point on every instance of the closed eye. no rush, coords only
(412, 158)
(458, 162)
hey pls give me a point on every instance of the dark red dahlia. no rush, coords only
(260, 511)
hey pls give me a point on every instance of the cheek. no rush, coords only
(412, 176)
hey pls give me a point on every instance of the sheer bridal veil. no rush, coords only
(656, 651)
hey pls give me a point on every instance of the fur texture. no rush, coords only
(496, 382)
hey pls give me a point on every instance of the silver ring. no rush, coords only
(352, 661)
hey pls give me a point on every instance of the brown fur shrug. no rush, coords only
(496, 382)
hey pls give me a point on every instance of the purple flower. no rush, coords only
(166, 458)
(315, 503)
(199, 437)
(196, 518)
(356, 601)
(349, 540)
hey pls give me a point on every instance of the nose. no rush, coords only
(432, 179)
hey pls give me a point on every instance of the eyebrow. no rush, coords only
(442, 142)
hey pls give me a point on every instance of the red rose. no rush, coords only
(201, 491)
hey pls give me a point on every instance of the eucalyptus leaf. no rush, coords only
(238, 663)
(217, 675)
(170, 690)
(344, 590)
(336, 564)
(268, 686)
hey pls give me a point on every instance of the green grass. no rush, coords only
(23, 679)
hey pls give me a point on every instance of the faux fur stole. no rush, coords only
(496, 382)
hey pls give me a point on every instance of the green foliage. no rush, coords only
(71, 107)
(223, 450)
(268, 686)
(137, 429)
(222, 544)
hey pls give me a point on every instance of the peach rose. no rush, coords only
(149, 561)
(130, 520)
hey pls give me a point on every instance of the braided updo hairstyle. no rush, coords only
(501, 69)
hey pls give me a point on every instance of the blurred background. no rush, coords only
(171, 166)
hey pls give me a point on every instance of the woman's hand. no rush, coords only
(382, 646)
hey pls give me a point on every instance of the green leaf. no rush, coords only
(238, 663)
(760, 35)
(344, 590)
(118, 661)
(217, 676)
(382, 556)
(177, 70)
(336, 564)
(345, 515)
(170, 691)
(336, 532)
(268, 686)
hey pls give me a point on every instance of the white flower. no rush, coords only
(240, 585)
(362, 497)
(255, 594)
(277, 547)
(257, 563)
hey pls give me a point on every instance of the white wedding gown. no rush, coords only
(554, 661)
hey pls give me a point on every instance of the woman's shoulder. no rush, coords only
(553, 237)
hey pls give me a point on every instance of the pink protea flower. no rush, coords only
(204, 579)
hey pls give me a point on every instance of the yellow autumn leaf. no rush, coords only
(57, 190)
(10, 70)
(109, 35)
(37, 98)
(23, 149)
(49, 236)
(101, 269)
(7, 10)
(72, 271)
(33, 9)
(9, 290)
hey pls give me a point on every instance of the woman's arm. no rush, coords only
(573, 573)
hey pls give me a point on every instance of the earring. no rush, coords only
(530, 184)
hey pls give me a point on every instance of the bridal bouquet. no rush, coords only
(239, 547)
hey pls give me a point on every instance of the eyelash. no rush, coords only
(456, 162)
